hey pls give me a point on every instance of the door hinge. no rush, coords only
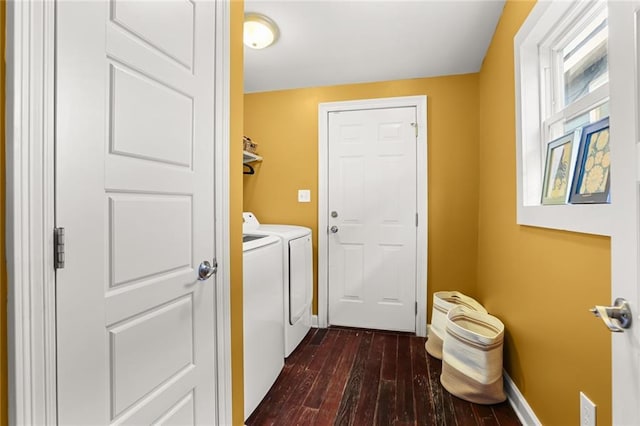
(415, 127)
(58, 248)
(416, 220)
(416, 308)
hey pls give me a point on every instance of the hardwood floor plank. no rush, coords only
(290, 408)
(389, 357)
(366, 408)
(463, 412)
(421, 389)
(307, 416)
(485, 416)
(448, 410)
(318, 391)
(287, 381)
(351, 395)
(442, 405)
(333, 396)
(504, 414)
(386, 407)
(404, 391)
(271, 397)
(324, 350)
(319, 336)
(359, 377)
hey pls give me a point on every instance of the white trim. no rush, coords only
(420, 103)
(591, 219)
(314, 321)
(29, 149)
(518, 403)
(222, 214)
(30, 212)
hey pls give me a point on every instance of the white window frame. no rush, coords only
(547, 18)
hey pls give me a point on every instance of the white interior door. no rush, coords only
(134, 191)
(372, 218)
(624, 44)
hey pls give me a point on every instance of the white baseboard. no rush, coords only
(314, 321)
(519, 404)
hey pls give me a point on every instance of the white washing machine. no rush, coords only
(297, 276)
(262, 315)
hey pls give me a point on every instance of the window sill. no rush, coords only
(585, 218)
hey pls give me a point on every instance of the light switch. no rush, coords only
(304, 195)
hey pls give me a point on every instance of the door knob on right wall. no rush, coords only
(616, 317)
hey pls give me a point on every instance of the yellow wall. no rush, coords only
(235, 208)
(539, 282)
(285, 126)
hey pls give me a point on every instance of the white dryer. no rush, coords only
(297, 276)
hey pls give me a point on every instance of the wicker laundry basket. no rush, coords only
(472, 356)
(443, 301)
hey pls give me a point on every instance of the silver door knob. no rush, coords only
(334, 229)
(616, 317)
(205, 270)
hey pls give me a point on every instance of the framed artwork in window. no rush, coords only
(558, 168)
(591, 179)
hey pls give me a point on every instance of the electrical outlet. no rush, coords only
(304, 196)
(587, 411)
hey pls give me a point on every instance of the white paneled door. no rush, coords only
(624, 75)
(134, 192)
(372, 218)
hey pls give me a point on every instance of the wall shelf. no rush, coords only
(248, 157)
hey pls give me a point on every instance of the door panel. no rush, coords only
(174, 38)
(624, 44)
(134, 192)
(180, 414)
(134, 223)
(166, 135)
(372, 188)
(164, 335)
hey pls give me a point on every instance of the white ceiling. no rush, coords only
(330, 42)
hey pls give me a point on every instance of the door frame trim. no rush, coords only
(29, 138)
(420, 103)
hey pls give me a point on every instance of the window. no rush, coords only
(562, 83)
(574, 72)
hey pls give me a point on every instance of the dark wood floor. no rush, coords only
(361, 377)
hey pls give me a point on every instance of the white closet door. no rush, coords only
(134, 191)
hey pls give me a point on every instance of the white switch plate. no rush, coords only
(304, 195)
(587, 411)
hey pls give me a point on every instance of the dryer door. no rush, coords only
(300, 277)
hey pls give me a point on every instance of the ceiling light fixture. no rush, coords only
(259, 31)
